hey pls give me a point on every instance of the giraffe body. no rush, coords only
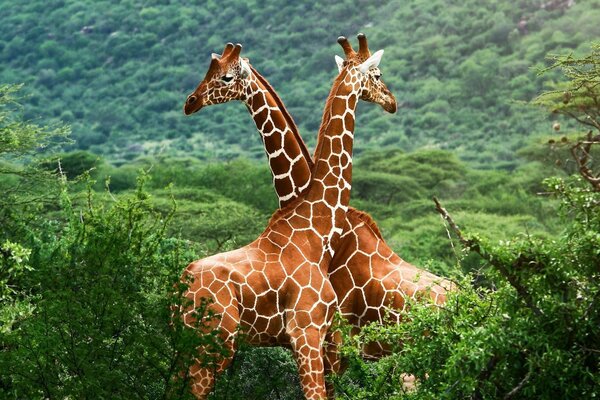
(276, 288)
(264, 288)
(371, 282)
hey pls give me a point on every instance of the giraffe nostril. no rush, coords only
(191, 99)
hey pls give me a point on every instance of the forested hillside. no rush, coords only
(118, 71)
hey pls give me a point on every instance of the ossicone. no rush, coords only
(363, 47)
(346, 46)
(235, 53)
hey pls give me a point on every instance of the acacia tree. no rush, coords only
(23, 188)
(578, 98)
(21, 183)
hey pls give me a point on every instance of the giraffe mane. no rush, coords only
(367, 219)
(288, 118)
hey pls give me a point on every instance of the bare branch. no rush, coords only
(576, 118)
(517, 388)
(474, 245)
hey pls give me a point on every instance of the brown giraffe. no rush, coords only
(276, 288)
(371, 282)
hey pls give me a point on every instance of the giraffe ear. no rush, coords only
(215, 56)
(340, 62)
(246, 71)
(372, 62)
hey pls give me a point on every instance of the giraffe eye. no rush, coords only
(377, 77)
(226, 78)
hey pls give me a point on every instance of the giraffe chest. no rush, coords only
(273, 299)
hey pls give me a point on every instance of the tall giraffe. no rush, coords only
(276, 288)
(371, 282)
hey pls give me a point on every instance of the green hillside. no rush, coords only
(118, 71)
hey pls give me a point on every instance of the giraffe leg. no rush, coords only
(332, 362)
(308, 351)
(202, 379)
(213, 284)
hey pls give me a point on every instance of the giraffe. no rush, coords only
(371, 282)
(276, 288)
(289, 159)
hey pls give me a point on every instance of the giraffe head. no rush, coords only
(225, 80)
(363, 68)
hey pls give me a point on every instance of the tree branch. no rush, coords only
(581, 154)
(576, 118)
(474, 245)
(517, 388)
(484, 375)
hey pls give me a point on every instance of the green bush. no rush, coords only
(101, 288)
(213, 221)
(525, 324)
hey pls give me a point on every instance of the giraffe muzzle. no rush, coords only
(390, 104)
(390, 107)
(192, 105)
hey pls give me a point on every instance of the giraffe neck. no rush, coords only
(329, 192)
(289, 159)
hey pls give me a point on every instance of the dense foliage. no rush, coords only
(118, 71)
(87, 289)
(87, 276)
